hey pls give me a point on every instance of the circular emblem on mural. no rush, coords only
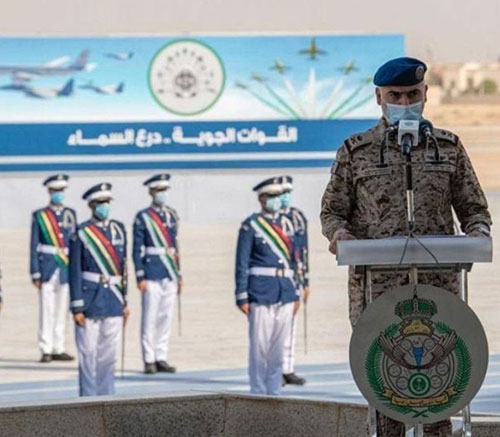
(418, 354)
(186, 77)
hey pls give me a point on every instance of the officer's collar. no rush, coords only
(286, 210)
(100, 223)
(158, 207)
(270, 215)
(56, 207)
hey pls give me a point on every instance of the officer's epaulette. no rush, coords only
(173, 212)
(446, 135)
(358, 140)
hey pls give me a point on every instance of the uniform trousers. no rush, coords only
(97, 343)
(158, 303)
(53, 309)
(268, 327)
(289, 348)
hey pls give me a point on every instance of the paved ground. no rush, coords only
(214, 333)
(324, 382)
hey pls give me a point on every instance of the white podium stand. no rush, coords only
(449, 253)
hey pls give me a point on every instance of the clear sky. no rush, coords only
(437, 30)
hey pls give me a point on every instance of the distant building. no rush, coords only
(466, 81)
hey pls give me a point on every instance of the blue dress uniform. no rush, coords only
(98, 289)
(265, 279)
(299, 222)
(51, 229)
(156, 259)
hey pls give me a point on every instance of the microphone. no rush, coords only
(426, 128)
(408, 131)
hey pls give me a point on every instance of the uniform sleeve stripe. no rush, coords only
(77, 303)
(241, 296)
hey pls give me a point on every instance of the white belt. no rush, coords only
(271, 271)
(51, 250)
(155, 251)
(99, 278)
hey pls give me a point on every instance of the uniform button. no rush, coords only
(59, 223)
(281, 262)
(105, 285)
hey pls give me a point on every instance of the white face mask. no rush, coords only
(395, 113)
(160, 198)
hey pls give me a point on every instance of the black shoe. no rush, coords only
(293, 379)
(149, 368)
(63, 356)
(163, 366)
(46, 358)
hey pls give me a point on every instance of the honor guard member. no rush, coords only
(265, 287)
(366, 195)
(299, 222)
(156, 259)
(98, 287)
(51, 228)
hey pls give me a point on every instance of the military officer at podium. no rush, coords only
(265, 286)
(51, 228)
(157, 269)
(98, 288)
(365, 197)
(299, 222)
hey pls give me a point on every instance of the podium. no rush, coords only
(451, 253)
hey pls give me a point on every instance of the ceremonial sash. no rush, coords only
(52, 235)
(278, 241)
(161, 237)
(105, 256)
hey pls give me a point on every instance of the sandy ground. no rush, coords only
(214, 333)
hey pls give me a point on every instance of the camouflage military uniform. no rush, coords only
(368, 200)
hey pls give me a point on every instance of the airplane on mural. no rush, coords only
(121, 56)
(312, 51)
(279, 67)
(258, 78)
(349, 67)
(56, 67)
(40, 92)
(104, 89)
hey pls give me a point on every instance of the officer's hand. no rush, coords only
(341, 234)
(179, 287)
(38, 284)
(244, 308)
(305, 296)
(142, 286)
(79, 319)
(476, 233)
(296, 306)
(126, 315)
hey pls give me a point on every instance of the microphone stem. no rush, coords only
(410, 201)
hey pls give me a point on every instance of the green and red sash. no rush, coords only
(276, 237)
(102, 251)
(161, 237)
(52, 234)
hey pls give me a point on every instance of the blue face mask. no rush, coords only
(102, 210)
(273, 204)
(57, 198)
(286, 200)
(160, 198)
(395, 113)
